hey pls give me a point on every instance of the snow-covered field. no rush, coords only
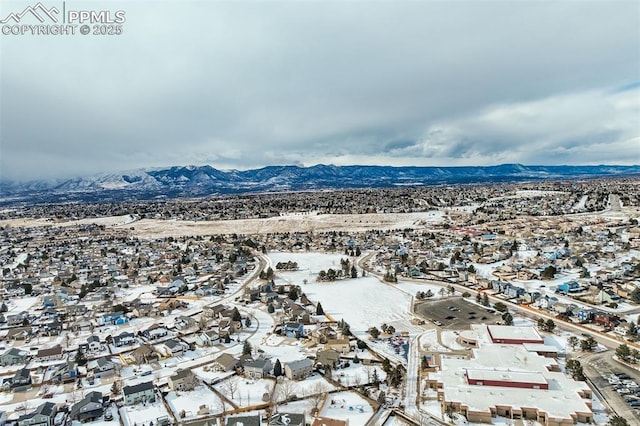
(143, 414)
(153, 228)
(108, 221)
(191, 402)
(362, 302)
(348, 405)
(245, 392)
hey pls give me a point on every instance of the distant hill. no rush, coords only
(198, 181)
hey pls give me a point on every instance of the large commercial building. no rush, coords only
(510, 380)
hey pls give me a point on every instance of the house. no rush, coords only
(175, 347)
(113, 318)
(298, 370)
(156, 331)
(327, 358)
(257, 369)
(585, 315)
(340, 345)
(607, 320)
(65, 372)
(570, 287)
(13, 356)
(50, 354)
(88, 409)
(287, 419)
(244, 420)
(182, 380)
(101, 367)
(124, 339)
(144, 354)
(41, 416)
(225, 362)
(207, 338)
(21, 378)
(142, 392)
(93, 344)
(293, 329)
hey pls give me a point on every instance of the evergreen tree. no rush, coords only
(81, 359)
(236, 315)
(246, 348)
(623, 352)
(550, 325)
(115, 387)
(386, 365)
(293, 294)
(354, 272)
(573, 342)
(618, 421)
(574, 368)
(277, 368)
(319, 310)
(374, 376)
(507, 318)
(589, 344)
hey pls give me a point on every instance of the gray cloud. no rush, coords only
(246, 84)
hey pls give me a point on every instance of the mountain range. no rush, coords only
(199, 181)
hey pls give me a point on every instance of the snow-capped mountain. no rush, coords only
(196, 181)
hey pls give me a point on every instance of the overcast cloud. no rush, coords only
(246, 84)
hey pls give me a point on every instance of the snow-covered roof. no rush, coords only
(506, 332)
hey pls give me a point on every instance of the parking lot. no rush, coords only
(454, 313)
(618, 384)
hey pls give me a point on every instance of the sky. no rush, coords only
(244, 84)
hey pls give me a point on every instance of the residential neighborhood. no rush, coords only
(115, 313)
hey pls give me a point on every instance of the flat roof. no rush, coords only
(506, 376)
(539, 347)
(560, 400)
(509, 332)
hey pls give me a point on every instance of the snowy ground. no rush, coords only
(143, 414)
(245, 392)
(191, 401)
(378, 303)
(314, 384)
(358, 374)
(348, 405)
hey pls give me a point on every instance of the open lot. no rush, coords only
(455, 313)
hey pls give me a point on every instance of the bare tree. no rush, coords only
(369, 370)
(203, 323)
(318, 395)
(285, 390)
(230, 387)
(357, 379)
